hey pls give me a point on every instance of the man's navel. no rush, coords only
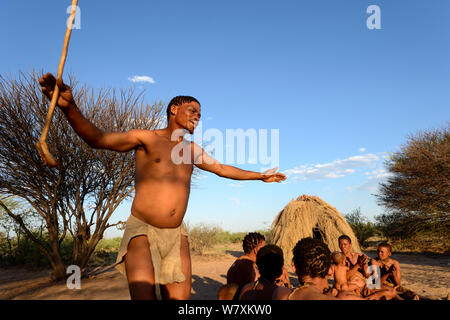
(172, 213)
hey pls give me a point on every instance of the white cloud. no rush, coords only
(362, 149)
(332, 170)
(136, 79)
(374, 178)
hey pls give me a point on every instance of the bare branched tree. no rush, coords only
(78, 197)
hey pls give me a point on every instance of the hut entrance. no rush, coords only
(316, 233)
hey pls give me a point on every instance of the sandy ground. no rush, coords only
(426, 274)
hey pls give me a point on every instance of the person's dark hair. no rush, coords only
(179, 100)
(270, 261)
(311, 258)
(344, 237)
(385, 245)
(251, 241)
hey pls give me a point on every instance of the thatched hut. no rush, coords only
(309, 216)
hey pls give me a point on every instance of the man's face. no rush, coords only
(187, 115)
(345, 246)
(383, 253)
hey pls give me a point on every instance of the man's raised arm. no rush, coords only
(205, 162)
(93, 136)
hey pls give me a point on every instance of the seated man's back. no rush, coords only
(243, 270)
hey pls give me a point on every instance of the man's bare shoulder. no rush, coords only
(148, 136)
(394, 262)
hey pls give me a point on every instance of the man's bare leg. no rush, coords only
(180, 290)
(139, 268)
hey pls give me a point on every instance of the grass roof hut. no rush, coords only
(309, 216)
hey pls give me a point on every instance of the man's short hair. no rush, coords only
(344, 237)
(178, 101)
(311, 258)
(385, 245)
(251, 241)
(270, 261)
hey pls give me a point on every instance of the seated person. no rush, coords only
(270, 263)
(243, 270)
(339, 271)
(312, 263)
(356, 263)
(389, 268)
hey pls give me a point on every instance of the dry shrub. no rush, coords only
(202, 237)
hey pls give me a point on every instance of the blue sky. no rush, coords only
(342, 96)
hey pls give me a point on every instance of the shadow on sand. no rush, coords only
(235, 254)
(203, 288)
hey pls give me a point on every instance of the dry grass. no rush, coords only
(298, 219)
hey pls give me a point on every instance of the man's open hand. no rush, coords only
(48, 82)
(272, 175)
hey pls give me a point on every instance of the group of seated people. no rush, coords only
(260, 274)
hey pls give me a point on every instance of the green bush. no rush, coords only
(21, 251)
(202, 237)
(109, 244)
(362, 228)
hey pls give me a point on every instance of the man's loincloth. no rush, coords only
(164, 244)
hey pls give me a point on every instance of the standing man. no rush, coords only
(154, 253)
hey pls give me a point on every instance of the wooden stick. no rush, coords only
(41, 145)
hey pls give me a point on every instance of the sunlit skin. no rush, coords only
(354, 261)
(390, 268)
(315, 291)
(339, 273)
(312, 291)
(252, 256)
(162, 187)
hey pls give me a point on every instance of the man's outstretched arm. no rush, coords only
(205, 162)
(93, 136)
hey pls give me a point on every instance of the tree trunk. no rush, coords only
(84, 251)
(59, 271)
(59, 268)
